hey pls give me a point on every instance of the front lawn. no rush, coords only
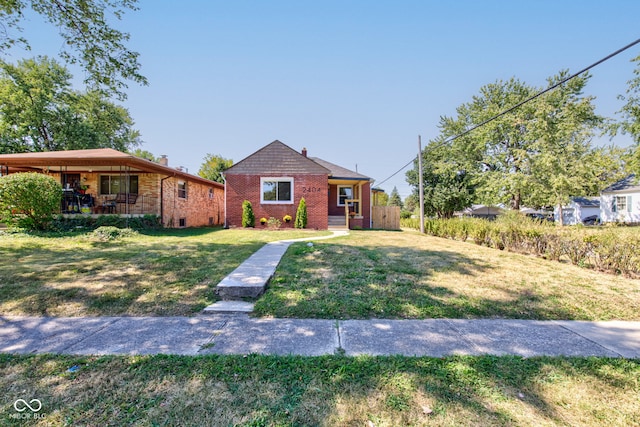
(169, 272)
(313, 391)
(378, 274)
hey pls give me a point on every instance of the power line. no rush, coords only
(518, 105)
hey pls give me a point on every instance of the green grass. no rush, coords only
(377, 274)
(331, 390)
(169, 272)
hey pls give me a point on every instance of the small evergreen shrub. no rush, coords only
(248, 217)
(301, 215)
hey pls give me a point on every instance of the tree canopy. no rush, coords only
(630, 123)
(394, 198)
(93, 43)
(539, 154)
(40, 112)
(212, 167)
(144, 154)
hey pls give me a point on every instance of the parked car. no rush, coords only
(591, 220)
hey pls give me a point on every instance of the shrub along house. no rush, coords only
(106, 181)
(276, 177)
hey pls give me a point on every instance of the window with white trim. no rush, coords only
(276, 190)
(182, 189)
(345, 192)
(622, 204)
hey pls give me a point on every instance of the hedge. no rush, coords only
(610, 249)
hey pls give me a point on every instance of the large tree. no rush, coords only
(563, 161)
(213, 166)
(631, 118)
(498, 151)
(40, 112)
(447, 186)
(144, 154)
(91, 40)
(537, 154)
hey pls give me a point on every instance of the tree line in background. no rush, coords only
(538, 155)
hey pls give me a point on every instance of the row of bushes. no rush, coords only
(71, 223)
(609, 249)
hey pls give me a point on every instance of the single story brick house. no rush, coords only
(276, 177)
(107, 181)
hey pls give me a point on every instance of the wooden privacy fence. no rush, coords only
(386, 217)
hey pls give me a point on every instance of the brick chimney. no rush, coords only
(164, 161)
(304, 151)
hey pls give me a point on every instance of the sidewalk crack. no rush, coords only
(100, 329)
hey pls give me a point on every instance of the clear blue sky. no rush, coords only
(355, 82)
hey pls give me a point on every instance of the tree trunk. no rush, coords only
(515, 201)
(560, 216)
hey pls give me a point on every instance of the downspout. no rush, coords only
(226, 226)
(371, 204)
(162, 199)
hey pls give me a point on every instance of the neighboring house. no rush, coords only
(276, 177)
(577, 210)
(621, 201)
(481, 211)
(106, 181)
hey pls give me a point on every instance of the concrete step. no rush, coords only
(229, 307)
(337, 220)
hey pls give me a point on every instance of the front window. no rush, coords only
(345, 192)
(276, 190)
(114, 184)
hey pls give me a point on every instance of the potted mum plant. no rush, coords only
(263, 221)
(287, 218)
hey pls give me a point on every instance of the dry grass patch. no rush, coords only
(377, 274)
(325, 391)
(173, 272)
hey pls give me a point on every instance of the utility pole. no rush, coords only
(420, 186)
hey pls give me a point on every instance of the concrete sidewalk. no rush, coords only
(242, 334)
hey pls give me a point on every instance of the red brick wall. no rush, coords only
(197, 209)
(247, 187)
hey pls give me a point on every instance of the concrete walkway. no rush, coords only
(241, 334)
(250, 278)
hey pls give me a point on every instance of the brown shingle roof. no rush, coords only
(338, 172)
(94, 157)
(277, 159)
